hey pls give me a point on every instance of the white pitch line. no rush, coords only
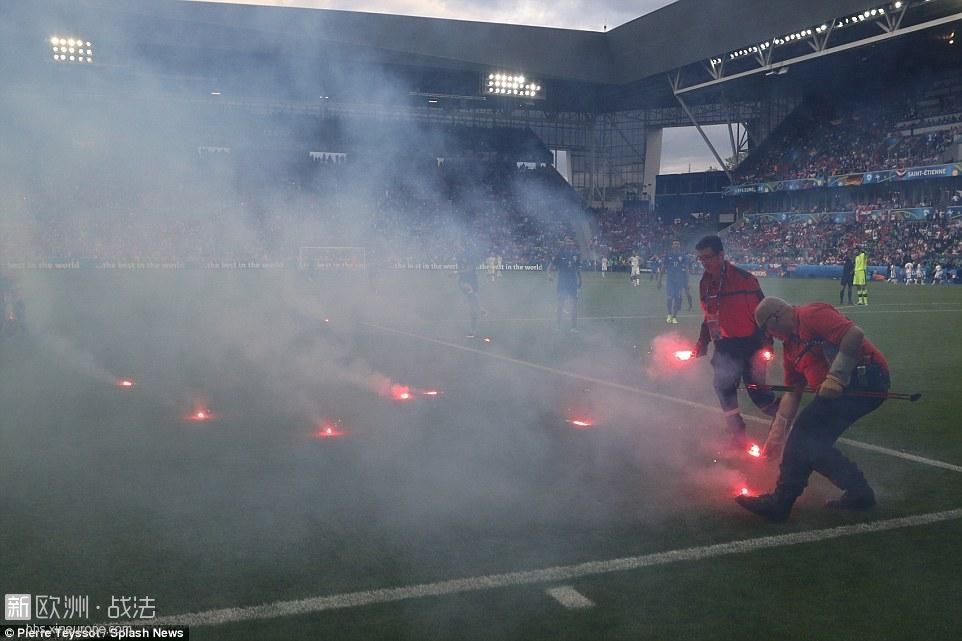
(555, 574)
(543, 368)
(665, 397)
(901, 455)
(570, 598)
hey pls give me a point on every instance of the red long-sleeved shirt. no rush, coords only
(735, 303)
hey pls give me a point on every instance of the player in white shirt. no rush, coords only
(939, 275)
(920, 273)
(492, 264)
(604, 266)
(893, 274)
(635, 262)
(909, 273)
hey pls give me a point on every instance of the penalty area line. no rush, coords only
(905, 456)
(555, 574)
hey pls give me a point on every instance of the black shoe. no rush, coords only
(853, 500)
(765, 506)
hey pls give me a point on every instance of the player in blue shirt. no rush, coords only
(675, 269)
(568, 265)
(468, 260)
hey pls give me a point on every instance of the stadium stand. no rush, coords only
(862, 133)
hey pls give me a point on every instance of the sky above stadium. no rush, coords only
(591, 15)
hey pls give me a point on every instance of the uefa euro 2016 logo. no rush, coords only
(16, 607)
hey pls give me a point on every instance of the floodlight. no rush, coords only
(898, 5)
(80, 50)
(509, 84)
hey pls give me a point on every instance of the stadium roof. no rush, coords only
(203, 40)
(676, 35)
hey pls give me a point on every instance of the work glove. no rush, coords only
(831, 387)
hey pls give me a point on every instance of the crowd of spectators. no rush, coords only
(858, 136)
(421, 211)
(619, 235)
(888, 240)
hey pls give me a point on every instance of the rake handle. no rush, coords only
(895, 396)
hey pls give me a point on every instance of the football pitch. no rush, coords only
(318, 457)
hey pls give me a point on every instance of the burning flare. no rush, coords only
(328, 429)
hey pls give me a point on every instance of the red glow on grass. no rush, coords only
(582, 423)
(201, 415)
(327, 429)
(401, 393)
(755, 450)
(124, 382)
(684, 354)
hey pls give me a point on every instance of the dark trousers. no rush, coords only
(811, 444)
(841, 292)
(673, 299)
(736, 360)
(567, 294)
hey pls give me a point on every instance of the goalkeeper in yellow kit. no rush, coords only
(860, 278)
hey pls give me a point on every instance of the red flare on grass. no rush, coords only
(201, 415)
(328, 429)
(755, 450)
(430, 392)
(401, 393)
(124, 382)
(582, 423)
(684, 354)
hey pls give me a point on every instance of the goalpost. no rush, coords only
(331, 258)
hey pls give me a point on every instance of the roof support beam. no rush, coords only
(674, 82)
(828, 51)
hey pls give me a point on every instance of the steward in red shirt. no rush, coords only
(825, 350)
(728, 297)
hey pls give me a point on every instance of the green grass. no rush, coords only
(111, 492)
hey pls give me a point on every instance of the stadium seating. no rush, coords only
(861, 134)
